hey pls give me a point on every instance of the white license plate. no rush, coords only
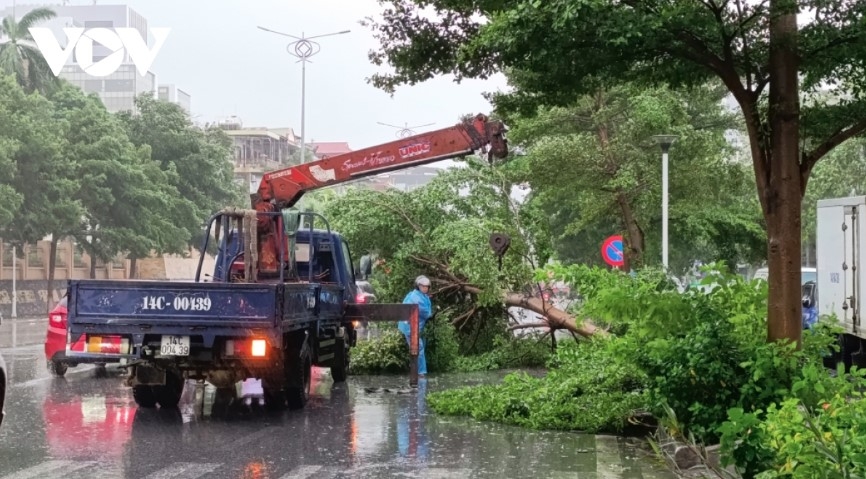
(174, 346)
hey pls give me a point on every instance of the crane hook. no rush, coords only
(500, 243)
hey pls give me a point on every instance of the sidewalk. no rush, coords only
(21, 331)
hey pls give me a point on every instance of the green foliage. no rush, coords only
(388, 353)
(594, 159)
(442, 230)
(440, 344)
(816, 432)
(197, 162)
(508, 352)
(697, 355)
(36, 179)
(587, 389)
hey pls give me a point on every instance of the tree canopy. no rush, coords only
(71, 169)
(593, 168)
(553, 51)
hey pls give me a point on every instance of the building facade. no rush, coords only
(173, 94)
(258, 150)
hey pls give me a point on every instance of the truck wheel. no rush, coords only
(340, 367)
(56, 368)
(169, 394)
(144, 396)
(299, 373)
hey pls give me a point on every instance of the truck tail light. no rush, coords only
(107, 345)
(360, 299)
(245, 348)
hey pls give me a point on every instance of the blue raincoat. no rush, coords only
(425, 310)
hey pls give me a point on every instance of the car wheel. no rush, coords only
(57, 368)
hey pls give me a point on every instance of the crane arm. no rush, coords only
(283, 188)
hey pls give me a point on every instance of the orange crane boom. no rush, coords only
(286, 186)
(283, 188)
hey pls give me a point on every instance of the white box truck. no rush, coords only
(841, 239)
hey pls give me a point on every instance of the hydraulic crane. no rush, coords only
(283, 188)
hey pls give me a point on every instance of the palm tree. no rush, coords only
(19, 55)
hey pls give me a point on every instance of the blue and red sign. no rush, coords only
(612, 251)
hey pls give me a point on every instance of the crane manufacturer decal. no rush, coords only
(415, 149)
(369, 161)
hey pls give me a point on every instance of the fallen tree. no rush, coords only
(442, 230)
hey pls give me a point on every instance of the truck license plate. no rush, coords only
(174, 346)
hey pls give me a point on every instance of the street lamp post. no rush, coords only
(303, 49)
(665, 141)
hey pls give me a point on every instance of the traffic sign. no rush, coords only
(612, 251)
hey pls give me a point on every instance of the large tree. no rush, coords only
(124, 194)
(590, 163)
(197, 162)
(36, 179)
(19, 55)
(555, 49)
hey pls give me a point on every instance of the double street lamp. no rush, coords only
(303, 49)
(665, 141)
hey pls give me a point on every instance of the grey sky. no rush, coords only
(229, 67)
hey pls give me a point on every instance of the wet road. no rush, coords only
(86, 425)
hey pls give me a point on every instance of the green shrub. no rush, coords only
(527, 352)
(586, 389)
(440, 344)
(388, 353)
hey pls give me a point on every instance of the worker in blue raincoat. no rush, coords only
(419, 296)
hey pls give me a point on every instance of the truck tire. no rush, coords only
(57, 368)
(169, 394)
(340, 366)
(144, 396)
(299, 373)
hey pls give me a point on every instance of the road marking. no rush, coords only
(184, 470)
(236, 444)
(305, 472)
(49, 469)
(445, 473)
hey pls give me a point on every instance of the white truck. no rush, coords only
(841, 240)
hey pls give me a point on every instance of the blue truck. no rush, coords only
(281, 296)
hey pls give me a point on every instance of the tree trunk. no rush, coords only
(635, 243)
(556, 318)
(781, 196)
(133, 267)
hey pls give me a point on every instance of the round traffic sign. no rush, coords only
(612, 251)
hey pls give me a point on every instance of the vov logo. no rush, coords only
(80, 41)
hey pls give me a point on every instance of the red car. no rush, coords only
(55, 342)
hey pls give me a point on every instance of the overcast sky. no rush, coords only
(229, 67)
